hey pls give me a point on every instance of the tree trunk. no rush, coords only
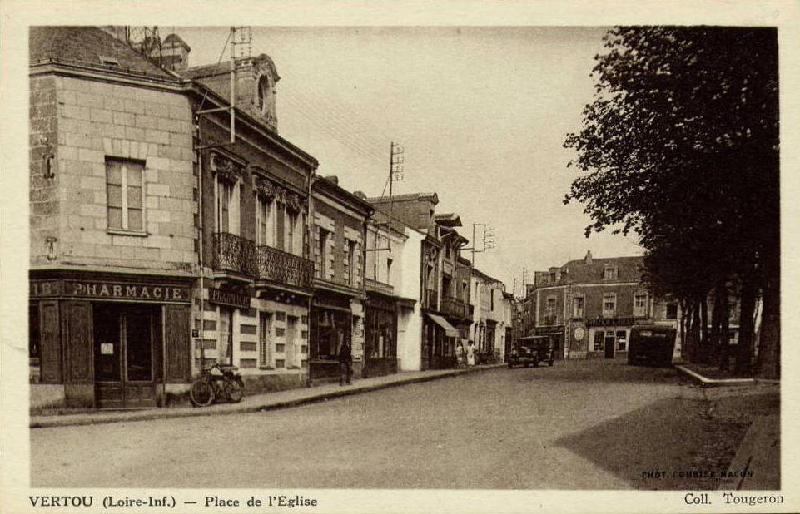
(682, 327)
(705, 346)
(769, 340)
(716, 323)
(724, 348)
(744, 353)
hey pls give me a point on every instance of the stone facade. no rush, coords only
(98, 121)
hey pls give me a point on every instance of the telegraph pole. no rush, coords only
(396, 160)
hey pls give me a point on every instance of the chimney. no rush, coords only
(332, 178)
(588, 258)
(175, 53)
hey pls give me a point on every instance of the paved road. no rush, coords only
(580, 425)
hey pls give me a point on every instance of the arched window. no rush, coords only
(263, 94)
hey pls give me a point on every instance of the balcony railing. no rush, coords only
(283, 267)
(235, 254)
(454, 307)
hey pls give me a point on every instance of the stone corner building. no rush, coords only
(112, 223)
(149, 232)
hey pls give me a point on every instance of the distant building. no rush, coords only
(589, 305)
(444, 281)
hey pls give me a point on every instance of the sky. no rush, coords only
(482, 114)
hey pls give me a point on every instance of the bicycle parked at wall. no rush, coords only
(219, 382)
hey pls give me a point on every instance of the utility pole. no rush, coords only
(396, 160)
(488, 244)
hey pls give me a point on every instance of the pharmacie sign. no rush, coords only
(109, 290)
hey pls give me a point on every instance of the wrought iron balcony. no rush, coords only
(454, 307)
(284, 268)
(234, 254)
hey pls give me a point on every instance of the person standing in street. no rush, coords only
(471, 354)
(345, 361)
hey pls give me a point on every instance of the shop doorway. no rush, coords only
(126, 343)
(609, 344)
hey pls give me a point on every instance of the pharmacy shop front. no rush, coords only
(108, 341)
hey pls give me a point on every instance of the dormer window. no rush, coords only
(610, 273)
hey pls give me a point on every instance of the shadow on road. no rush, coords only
(670, 444)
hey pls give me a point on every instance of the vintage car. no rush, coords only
(652, 345)
(531, 351)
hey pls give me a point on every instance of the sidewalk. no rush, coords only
(257, 402)
(757, 464)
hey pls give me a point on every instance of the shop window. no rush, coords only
(640, 305)
(124, 186)
(577, 307)
(622, 340)
(672, 311)
(609, 305)
(599, 341)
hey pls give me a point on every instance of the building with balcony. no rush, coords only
(254, 287)
(338, 236)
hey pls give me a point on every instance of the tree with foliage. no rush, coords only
(680, 146)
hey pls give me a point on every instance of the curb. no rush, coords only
(267, 405)
(714, 382)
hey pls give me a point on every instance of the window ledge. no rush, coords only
(121, 232)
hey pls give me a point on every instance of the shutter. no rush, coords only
(280, 229)
(79, 353)
(50, 342)
(178, 330)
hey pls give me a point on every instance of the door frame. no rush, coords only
(155, 313)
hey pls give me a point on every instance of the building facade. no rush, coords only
(112, 232)
(338, 236)
(389, 314)
(443, 278)
(589, 305)
(491, 318)
(254, 284)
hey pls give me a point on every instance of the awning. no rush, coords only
(449, 330)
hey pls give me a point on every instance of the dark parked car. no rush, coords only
(652, 345)
(531, 351)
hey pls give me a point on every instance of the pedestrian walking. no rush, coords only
(345, 361)
(460, 355)
(471, 354)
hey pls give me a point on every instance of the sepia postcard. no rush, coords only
(399, 257)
